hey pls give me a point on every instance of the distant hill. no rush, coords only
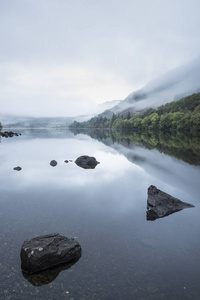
(31, 122)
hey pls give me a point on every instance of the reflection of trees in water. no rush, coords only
(182, 145)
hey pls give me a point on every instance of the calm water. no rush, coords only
(124, 256)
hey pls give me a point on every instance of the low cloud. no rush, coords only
(58, 90)
(173, 85)
(58, 57)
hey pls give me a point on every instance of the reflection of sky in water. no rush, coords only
(124, 256)
(167, 172)
(35, 155)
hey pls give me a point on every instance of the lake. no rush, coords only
(124, 256)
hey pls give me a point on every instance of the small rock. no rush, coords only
(7, 134)
(53, 163)
(17, 168)
(66, 161)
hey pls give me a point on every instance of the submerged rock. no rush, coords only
(48, 251)
(161, 204)
(86, 162)
(53, 163)
(17, 168)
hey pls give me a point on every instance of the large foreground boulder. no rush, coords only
(48, 251)
(86, 162)
(161, 204)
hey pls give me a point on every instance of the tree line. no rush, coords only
(183, 115)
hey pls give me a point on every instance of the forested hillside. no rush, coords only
(181, 115)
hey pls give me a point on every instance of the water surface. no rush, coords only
(124, 256)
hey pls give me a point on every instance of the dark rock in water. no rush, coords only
(53, 163)
(160, 204)
(7, 134)
(45, 277)
(86, 162)
(17, 168)
(66, 161)
(48, 251)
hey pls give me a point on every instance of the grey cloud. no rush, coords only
(137, 40)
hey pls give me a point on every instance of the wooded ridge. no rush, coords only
(183, 115)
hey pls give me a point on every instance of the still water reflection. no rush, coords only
(47, 276)
(123, 255)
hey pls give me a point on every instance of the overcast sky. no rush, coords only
(62, 57)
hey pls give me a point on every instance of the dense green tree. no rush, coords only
(165, 122)
(126, 125)
(114, 117)
(128, 115)
(117, 123)
(175, 117)
(195, 120)
(137, 123)
(183, 123)
(146, 122)
(154, 118)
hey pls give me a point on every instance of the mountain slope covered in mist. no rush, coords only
(172, 86)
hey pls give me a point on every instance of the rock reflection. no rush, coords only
(45, 277)
(151, 215)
